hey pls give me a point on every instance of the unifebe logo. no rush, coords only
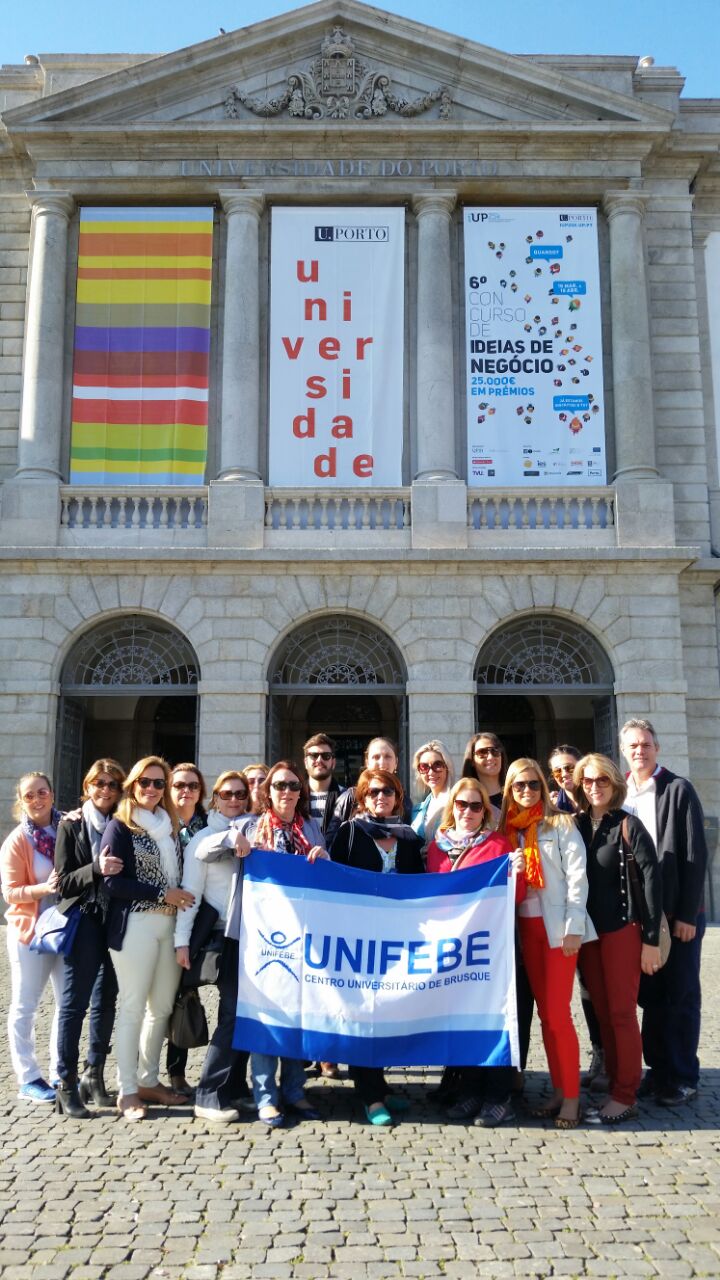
(280, 950)
(353, 234)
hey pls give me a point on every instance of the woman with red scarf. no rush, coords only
(285, 825)
(553, 923)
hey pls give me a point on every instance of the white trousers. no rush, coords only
(148, 978)
(29, 974)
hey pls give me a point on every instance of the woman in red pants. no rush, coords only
(552, 922)
(628, 928)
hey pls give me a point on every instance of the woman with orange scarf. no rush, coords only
(553, 923)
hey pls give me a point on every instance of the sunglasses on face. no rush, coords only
(374, 792)
(233, 795)
(146, 783)
(186, 786)
(527, 786)
(285, 786)
(602, 781)
(488, 751)
(256, 779)
(475, 806)
(105, 784)
(319, 755)
(435, 767)
(562, 770)
(41, 794)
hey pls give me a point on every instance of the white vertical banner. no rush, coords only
(535, 411)
(336, 347)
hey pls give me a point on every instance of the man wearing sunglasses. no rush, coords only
(319, 759)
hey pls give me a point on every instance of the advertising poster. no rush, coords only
(336, 347)
(534, 348)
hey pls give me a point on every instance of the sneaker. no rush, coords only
(217, 1115)
(494, 1113)
(36, 1091)
(675, 1097)
(596, 1068)
(465, 1109)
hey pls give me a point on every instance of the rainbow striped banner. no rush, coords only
(142, 347)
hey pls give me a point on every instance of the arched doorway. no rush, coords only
(128, 688)
(339, 675)
(542, 679)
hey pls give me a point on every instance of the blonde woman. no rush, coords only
(144, 898)
(553, 923)
(29, 886)
(434, 776)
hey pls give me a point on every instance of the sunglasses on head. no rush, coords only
(319, 755)
(186, 786)
(527, 786)
(146, 783)
(233, 795)
(374, 792)
(475, 806)
(285, 786)
(434, 767)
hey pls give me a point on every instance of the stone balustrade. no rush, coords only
(338, 510)
(131, 510)
(566, 513)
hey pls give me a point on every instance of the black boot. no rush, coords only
(92, 1086)
(67, 1101)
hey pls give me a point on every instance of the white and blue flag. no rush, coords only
(341, 965)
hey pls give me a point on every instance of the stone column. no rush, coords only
(42, 399)
(632, 364)
(240, 426)
(435, 410)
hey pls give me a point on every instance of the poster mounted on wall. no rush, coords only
(336, 347)
(535, 413)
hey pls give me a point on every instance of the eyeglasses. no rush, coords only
(436, 766)
(562, 770)
(285, 786)
(602, 781)
(233, 795)
(527, 786)
(186, 786)
(487, 751)
(374, 792)
(146, 783)
(319, 755)
(475, 806)
(41, 794)
(105, 784)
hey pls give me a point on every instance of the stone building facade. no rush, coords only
(230, 619)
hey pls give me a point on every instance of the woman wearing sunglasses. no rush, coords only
(561, 763)
(284, 825)
(255, 774)
(465, 837)
(144, 898)
(377, 839)
(435, 775)
(89, 974)
(628, 931)
(486, 760)
(553, 923)
(29, 884)
(222, 1091)
(188, 791)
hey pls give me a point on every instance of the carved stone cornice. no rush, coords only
(337, 86)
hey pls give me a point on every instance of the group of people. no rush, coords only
(603, 865)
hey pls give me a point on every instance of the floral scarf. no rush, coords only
(455, 845)
(284, 837)
(41, 840)
(527, 820)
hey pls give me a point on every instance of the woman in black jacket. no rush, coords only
(627, 924)
(90, 977)
(377, 839)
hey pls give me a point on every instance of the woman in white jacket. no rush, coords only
(553, 923)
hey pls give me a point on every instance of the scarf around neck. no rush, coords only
(392, 828)
(96, 822)
(41, 840)
(527, 820)
(283, 837)
(453, 844)
(159, 827)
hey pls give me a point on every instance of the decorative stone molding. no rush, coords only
(337, 86)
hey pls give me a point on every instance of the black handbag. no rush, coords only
(188, 1023)
(205, 947)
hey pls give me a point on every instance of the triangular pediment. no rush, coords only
(334, 61)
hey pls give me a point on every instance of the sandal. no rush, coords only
(569, 1122)
(131, 1108)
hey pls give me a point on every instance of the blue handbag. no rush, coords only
(54, 932)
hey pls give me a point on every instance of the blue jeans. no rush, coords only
(263, 1072)
(89, 981)
(671, 1003)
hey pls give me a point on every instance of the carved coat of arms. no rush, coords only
(337, 86)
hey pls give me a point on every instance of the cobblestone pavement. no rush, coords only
(172, 1198)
